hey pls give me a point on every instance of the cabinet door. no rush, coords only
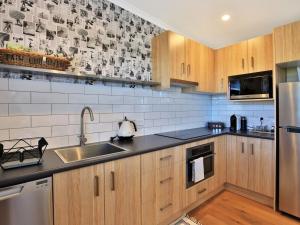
(238, 59)
(123, 192)
(231, 172)
(287, 43)
(192, 60)
(177, 54)
(261, 166)
(206, 69)
(260, 53)
(219, 178)
(79, 196)
(242, 168)
(220, 71)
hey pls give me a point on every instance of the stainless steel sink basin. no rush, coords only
(79, 153)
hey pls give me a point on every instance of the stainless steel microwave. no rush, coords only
(251, 86)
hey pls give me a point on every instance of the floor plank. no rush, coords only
(231, 209)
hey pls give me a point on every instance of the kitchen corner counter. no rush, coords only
(139, 145)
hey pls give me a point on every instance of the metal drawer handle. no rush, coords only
(112, 180)
(96, 186)
(252, 149)
(165, 207)
(243, 63)
(166, 180)
(252, 62)
(10, 193)
(182, 68)
(243, 147)
(202, 191)
(166, 157)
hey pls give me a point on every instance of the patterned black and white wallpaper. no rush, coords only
(99, 36)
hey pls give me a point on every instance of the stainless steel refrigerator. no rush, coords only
(289, 148)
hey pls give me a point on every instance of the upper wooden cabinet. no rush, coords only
(287, 43)
(180, 58)
(220, 69)
(254, 55)
(260, 53)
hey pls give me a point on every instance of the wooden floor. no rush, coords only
(229, 209)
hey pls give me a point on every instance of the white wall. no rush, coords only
(52, 110)
(222, 109)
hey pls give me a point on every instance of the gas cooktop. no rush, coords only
(186, 134)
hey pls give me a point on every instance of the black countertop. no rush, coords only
(139, 145)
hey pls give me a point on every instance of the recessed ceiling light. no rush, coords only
(226, 17)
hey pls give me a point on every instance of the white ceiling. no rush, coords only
(201, 19)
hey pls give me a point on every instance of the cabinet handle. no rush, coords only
(165, 207)
(243, 63)
(165, 158)
(243, 147)
(96, 187)
(252, 149)
(222, 83)
(166, 180)
(252, 62)
(112, 180)
(202, 191)
(182, 68)
(189, 70)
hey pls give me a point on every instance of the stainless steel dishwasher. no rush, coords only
(27, 204)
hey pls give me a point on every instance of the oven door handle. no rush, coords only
(210, 155)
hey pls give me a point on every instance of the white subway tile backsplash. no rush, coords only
(14, 97)
(4, 135)
(30, 132)
(29, 109)
(67, 108)
(108, 99)
(75, 119)
(98, 127)
(133, 100)
(3, 84)
(111, 117)
(123, 91)
(97, 89)
(143, 92)
(102, 108)
(15, 122)
(123, 108)
(58, 142)
(48, 98)
(3, 109)
(28, 85)
(65, 130)
(143, 108)
(152, 115)
(49, 120)
(83, 99)
(67, 88)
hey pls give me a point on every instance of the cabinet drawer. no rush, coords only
(161, 159)
(196, 192)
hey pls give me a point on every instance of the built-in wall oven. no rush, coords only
(206, 151)
(251, 86)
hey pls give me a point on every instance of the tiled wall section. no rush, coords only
(51, 109)
(222, 109)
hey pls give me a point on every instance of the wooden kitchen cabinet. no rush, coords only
(79, 196)
(250, 164)
(162, 186)
(261, 166)
(287, 42)
(123, 191)
(260, 53)
(237, 59)
(220, 70)
(219, 179)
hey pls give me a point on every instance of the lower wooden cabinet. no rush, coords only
(250, 164)
(105, 194)
(79, 196)
(162, 186)
(123, 191)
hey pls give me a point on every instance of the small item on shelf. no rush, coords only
(215, 125)
(32, 59)
(24, 152)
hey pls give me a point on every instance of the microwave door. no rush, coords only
(289, 104)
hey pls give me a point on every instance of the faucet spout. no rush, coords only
(82, 137)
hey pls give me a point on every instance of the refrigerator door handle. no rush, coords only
(290, 129)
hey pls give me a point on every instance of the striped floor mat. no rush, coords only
(186, 220)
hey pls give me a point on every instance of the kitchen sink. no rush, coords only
(80, 153)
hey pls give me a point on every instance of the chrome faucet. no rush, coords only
(82, 137)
